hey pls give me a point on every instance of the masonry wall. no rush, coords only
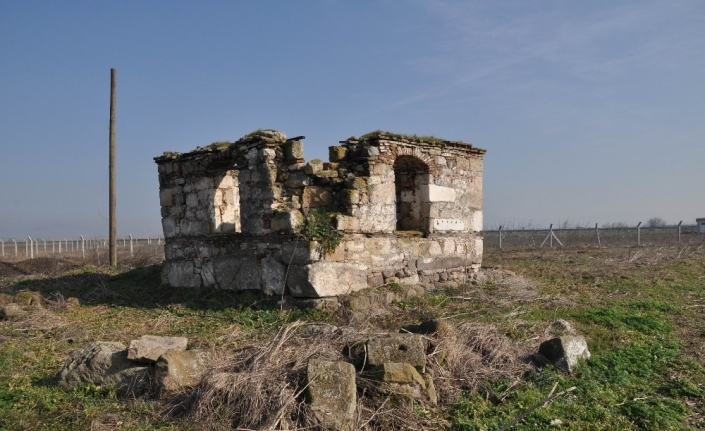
(409, 211)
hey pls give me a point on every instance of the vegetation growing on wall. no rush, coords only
(319, 225)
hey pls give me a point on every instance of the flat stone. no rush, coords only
(332, 393)
(148, 348)
(104, 363)
(564, 352)
(409, 348)
(177, 370)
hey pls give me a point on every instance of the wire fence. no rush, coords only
(635, 236)
(31, 248)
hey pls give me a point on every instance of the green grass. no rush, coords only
(643, 322)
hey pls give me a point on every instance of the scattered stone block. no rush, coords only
(12, 311)
(104, 363)
(332, 393)
(148, 348)
(409, 348)
(176, 370)
(564, 352)
(27, 297)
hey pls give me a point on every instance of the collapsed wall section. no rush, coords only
(403, 209)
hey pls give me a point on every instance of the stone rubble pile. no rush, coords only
(394, 364)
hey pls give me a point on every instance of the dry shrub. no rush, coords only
(475, 354)
(261, 386)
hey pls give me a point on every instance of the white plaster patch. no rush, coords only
(434, 193)
(440, 224)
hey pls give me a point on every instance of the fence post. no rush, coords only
(15, 248)
(597, 231)
(638, 235)
(3, 247)
(31, 248)
(131, 251)
(500, 238)
(679, 231)
(123, 242)
(83, 247)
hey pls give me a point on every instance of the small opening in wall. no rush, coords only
(410, 176)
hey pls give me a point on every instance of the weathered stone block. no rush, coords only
(101, 364)
(236, 273)
(169, 227)
(430, 263)
(332, 393)
(564, 352)
(300, 252)
(148, 348)
(176, 370)
(287, 221)
(180, 274)
(294, 150)
(165, 197)
(347, 223)
(409, 348)
(323, 279)
(314, 166)
(336, 153)
(316, 196)
(396, 372)
(273, 276)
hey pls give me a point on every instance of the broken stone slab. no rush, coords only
(323, 279)
(402, 379)
(396, 372)
(564, 352)
(409, 348)
(148, 348)
(104, 363)
(176, 370)
(332, 393)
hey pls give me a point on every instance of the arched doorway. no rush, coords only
(410, 176)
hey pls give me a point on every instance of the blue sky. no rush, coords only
(591, 112)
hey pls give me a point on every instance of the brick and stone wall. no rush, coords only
(407, 210)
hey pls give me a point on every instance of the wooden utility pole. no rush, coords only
(113, 198)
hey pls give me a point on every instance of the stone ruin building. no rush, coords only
(253, 215)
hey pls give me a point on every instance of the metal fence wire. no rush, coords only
(29, 247)
(591, 237)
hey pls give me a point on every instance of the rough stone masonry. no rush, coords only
(403, 209)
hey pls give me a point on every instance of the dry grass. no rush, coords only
(262, 386)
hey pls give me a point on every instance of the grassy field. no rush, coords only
(642, 312)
